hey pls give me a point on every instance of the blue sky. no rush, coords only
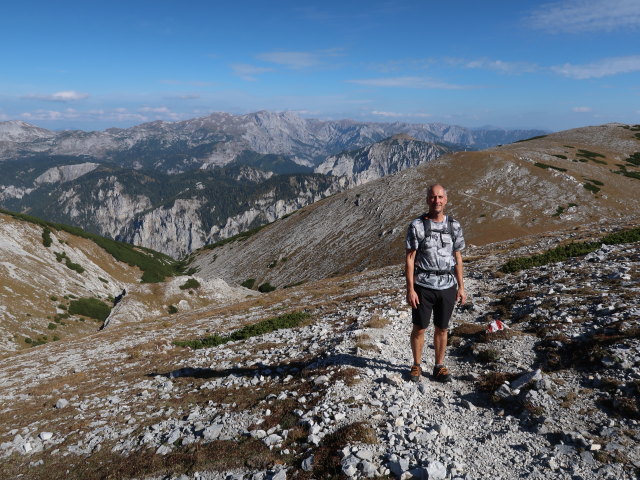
(525, 64)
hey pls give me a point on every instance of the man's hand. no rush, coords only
(412, 299)
(461, 296)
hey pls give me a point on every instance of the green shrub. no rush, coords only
(28, 340)
(52, 326)
(288, 320)
(46, 237)
(595, 182)
(248, 283)
(532, 138)
(190, 283)
(103, 280)
(562, 253)
(546, 166)
(266, 287)
(559, 211)
(563, 157)
(172, 309)
(74, 266)
(60, 256)
(584, 155)
(592, 188)
(53, 298)
(272, 264)
(634, 159)
(90, 307)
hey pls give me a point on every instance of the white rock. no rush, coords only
(307, 464)
(61, 403)
(436, 471)
(44, 436)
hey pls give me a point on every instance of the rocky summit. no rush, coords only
(312, 381)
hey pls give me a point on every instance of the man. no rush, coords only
(434, 278)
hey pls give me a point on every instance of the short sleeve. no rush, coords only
(458, 235)
(412, 242)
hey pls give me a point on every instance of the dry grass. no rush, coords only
(377, 321)
(327, 457)
(220, 455)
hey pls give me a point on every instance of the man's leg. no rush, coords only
(417, 343)
(440, 343)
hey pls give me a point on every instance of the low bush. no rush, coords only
(52, 326)
(562, 253)
(591, 187)
(248, 283)
(634, 159)
(74, 266)
(46, 237)
(532, 138)
(189, 284)
(172, 309)
(288, 320)
(90, 307)
(547, 166)
(266, 287)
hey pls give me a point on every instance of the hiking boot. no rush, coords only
(441, 374)
(414, 374)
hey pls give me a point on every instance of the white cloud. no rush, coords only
(599, 69)
(248, 72)
(293, 60)
(574, 16)
(65, 96)
(41, 114)
(154, 110)
(498, 65)
(408, 82)
(400, 114)
(581, 109)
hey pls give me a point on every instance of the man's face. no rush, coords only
(436, 200)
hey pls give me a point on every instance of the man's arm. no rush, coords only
(412, 296)
(461, 295)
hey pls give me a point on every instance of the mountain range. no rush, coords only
(175, 187)
(568, 178)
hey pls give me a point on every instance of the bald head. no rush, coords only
(434, 187)
(436, 200)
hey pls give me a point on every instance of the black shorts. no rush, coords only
(440, 302)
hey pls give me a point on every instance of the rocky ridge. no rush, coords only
(220, 138)
(380, 159)
(332, 396)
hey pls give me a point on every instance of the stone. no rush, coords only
(526, 379)
(368, 469)
(280, 475)
(436, 471)
(61, 403)
(212, 432)
(307, 464)
(44, 436)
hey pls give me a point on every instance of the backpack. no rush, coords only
(448, 229)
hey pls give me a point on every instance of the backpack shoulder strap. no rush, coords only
(427, 230)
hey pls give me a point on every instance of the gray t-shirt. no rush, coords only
(435, 253)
